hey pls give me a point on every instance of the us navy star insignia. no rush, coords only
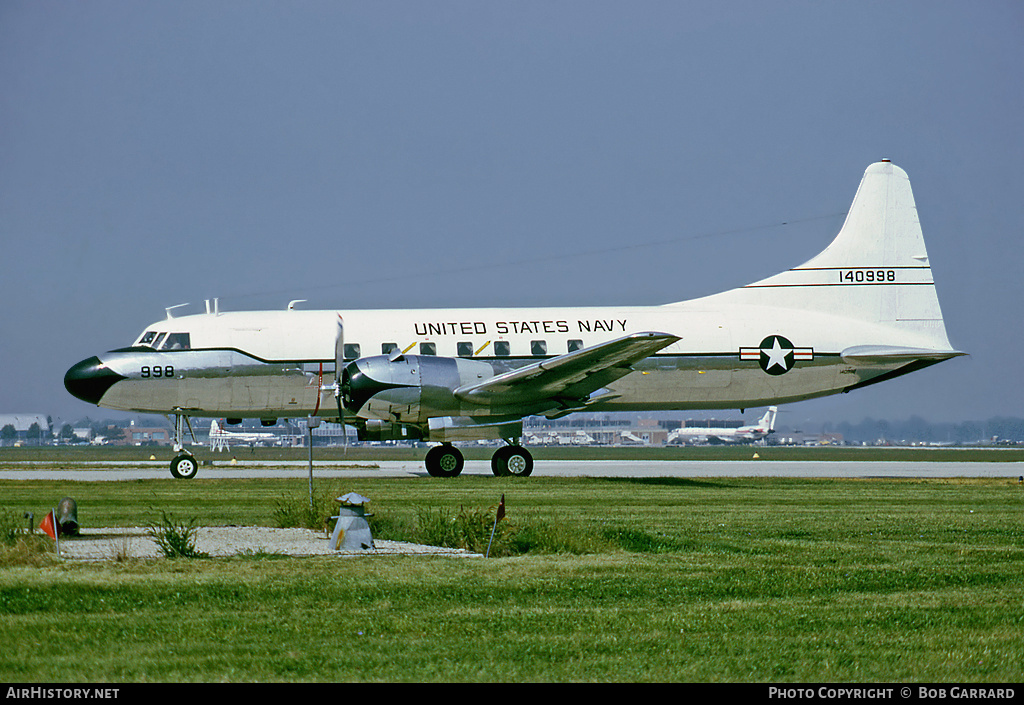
(776, 354)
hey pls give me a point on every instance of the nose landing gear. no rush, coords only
(184, 466)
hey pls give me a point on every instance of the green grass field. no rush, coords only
(734, 580)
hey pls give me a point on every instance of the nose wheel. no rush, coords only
(184, 467)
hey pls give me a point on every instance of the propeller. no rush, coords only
(339, 362)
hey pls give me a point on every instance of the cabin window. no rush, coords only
(177, 341)
(575, 345)
(388, 348)
(538, 347)
(351, 351)
(465, 349)
(502, 348)
(428, 348)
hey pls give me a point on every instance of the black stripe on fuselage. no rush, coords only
(482, 358)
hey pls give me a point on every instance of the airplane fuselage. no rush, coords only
(270, 364)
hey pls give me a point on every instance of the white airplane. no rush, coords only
(863, 311)
(220, 438)
(742, 434)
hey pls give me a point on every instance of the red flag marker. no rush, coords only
(49, 525)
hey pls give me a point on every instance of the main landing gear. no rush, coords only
(184, 466)
(511, 460)
(444, 460)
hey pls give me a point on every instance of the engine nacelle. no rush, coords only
(377, 430)
(408, 388)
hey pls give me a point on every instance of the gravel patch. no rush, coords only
(107, 544)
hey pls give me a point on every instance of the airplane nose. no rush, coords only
(90, 379)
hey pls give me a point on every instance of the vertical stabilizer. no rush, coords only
(875, 270)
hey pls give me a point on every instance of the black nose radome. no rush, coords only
(90, 379)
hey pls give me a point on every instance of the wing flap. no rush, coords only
(573, 375)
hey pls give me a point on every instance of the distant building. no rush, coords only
(137, 436)
(22, 425)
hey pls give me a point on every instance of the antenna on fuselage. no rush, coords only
(171, 308)
(291, 304)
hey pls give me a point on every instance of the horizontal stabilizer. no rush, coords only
(888, 354)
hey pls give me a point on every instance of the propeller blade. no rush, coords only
(339, 363)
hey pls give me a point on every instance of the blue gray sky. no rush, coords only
(527, 153)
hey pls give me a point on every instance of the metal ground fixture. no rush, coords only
(67, 516)
(352, 531)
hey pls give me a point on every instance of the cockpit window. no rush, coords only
(165, 341)
(176, 341)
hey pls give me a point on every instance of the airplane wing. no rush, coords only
(570, 377)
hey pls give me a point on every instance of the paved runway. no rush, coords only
(546, 468)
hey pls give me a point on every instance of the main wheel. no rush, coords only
(184, 467)
(512, 460)
(444, 461)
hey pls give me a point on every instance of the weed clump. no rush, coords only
(175, 539)
(471, 529)
(468, 529)
(17, 547)
(295, 512)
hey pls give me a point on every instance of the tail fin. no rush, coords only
(876, 270)
(767, 422)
